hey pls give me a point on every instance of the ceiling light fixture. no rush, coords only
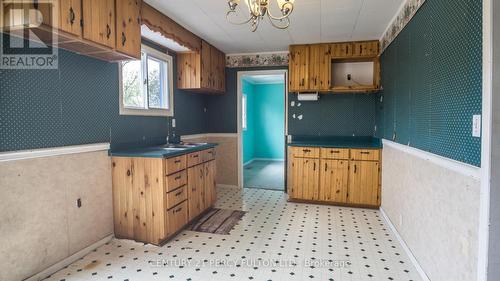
(258, 9)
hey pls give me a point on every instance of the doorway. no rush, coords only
(262, 128)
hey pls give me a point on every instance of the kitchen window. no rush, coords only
(146, 85)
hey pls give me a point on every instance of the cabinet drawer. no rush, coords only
(177, 218)
(176, 180)
(306, 152)
(175, 197)
(335, 153)
(365, 154)
(208, 155)
(194, 158)
(175, 164)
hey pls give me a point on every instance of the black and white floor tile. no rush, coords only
(275, 240)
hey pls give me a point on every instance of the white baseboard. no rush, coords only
(69, 260)
(407, 250)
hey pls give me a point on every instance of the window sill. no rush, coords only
(146, 112)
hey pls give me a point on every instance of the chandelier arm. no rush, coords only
(236, 23)
(287, 23)
(289, 12)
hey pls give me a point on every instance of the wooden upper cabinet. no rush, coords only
(99, 21)
(128, 27)
(70, 15)
(299, 68)
(341, 50)
(365, 49)
(203, 71)
(320, 67)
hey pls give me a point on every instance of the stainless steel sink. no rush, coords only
(181, 145)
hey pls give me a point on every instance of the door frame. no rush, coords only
(240, 75)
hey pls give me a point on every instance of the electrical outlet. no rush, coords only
(476, 126)
(79, 202)
(349, 77)
(173, 122)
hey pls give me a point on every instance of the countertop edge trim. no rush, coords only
(53, 151)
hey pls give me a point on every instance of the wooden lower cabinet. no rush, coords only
(364, 183)
(334, 181)
(334, 177)
(154, 198)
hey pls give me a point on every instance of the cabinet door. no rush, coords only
(70, 14)
(341, 50)
(365, 49)
(128, 27)
(196, 177)
(314, 66)
(304, 180)
(299, 68)
(325, 68)
(214, 68)
(99, 21)
(210, 193)
(206, 61)
(222, 63)
(334, 180)
(364, 183)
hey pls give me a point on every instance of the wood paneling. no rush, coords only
(99, 21)
(334, 180)
(364, 183)
(158, 22)
(128, 27)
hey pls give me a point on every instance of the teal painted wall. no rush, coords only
(264, 136)
(269, 121)
(248, 134)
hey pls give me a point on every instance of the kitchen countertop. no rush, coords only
(337, 142)
(158, 151)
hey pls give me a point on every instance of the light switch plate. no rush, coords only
(173, 123)
(476, 126)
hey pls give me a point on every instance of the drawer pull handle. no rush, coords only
(335, 151)
(306, 150)
(179, 193)
(72, 16)
(177, 161)
(365, 152)
(178, 210)
(196, 156)
(178, 177)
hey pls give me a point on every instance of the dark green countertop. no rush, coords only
(158, 151)
(336, 142)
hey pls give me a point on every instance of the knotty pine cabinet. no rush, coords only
(104, 29)
(154, 198)
(202, 71)
(311, 70)
(334, 175)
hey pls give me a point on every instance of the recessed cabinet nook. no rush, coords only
(348, 67)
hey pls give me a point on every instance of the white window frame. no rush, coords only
(124, 110)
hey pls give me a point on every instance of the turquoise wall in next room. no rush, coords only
(264, 137)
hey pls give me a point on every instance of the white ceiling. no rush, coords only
(264, 79)
(313, 21)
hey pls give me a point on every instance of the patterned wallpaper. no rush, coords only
(432, 80)
(332, 115)
(78, 104)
